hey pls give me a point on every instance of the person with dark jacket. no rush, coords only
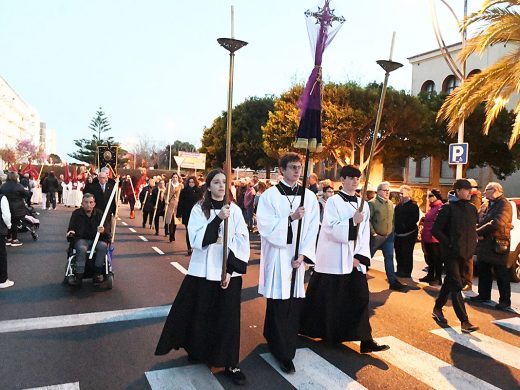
(494, 240)
(145, 197)
(406, 216)
(102, 189)
(158, 200)
(51, 185)
(189, 196)
(84, 224)
(15, 194)
(430, 244)
(455, 228)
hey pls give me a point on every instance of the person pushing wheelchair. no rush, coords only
(83, 225)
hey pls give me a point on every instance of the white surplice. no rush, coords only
(335, 252)
(206, 261)
(276, 254)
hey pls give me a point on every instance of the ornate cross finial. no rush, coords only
(325, 16)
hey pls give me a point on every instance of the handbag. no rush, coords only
(501, 246)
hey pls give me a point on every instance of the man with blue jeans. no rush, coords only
(382, 232)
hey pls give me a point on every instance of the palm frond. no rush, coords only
(493, 108)
(515, 134)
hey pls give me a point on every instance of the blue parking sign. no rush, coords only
(458, 153)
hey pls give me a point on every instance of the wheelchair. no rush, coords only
(90, 269)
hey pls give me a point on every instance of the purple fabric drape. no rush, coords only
(322, 26)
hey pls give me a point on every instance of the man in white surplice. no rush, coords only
(278, 215)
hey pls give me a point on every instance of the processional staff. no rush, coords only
(105, 213)
(232, 45)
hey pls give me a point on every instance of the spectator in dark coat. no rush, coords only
(455, 228)
(16, 195)
(145, 197)
(406, 216)
(430, 244)
(51, 185)
(189, 196)
(494, 240)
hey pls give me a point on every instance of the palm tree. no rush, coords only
(495, 84)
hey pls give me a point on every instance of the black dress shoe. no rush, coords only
(75, 280)
(503, 306)
(236, 375)
(468, 327)
(98, 278)
(438, 316)
(398, 286)
(371, 346)
(427, 279)
(287, 366)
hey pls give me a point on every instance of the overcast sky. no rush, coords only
(156, 69)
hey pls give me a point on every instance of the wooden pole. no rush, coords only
(155, 208)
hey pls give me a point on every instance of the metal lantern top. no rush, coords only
(231, 44)
(388, 65)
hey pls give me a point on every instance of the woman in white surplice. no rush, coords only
(205, 316)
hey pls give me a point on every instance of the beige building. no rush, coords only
(431, 73)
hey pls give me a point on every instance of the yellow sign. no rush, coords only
(193, 160)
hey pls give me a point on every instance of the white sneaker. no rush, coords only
(6, 284)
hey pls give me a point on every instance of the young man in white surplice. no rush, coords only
(336, 307)
(278, 215)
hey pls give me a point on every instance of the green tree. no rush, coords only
(246, 151)
(348, 117)
(87, 148)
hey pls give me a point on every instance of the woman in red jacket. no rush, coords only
(430, 245)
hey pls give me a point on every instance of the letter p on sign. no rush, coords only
(458, 153)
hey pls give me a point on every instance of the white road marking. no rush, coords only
(511, 323)
(427, 368)
(124, 223)
(496, 349)
(179, 267)
(65, 321)
(65, 386)
(313, 372)
(119, 219)
(158, 250)
(132, 230)
(143, 238)
(193, 377)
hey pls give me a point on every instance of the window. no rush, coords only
(450, 83)
(428, 87)
(422, 167)
(447, 170)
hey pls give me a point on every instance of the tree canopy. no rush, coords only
(246, 150)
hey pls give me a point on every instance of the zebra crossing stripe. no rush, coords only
(179, 267)
(65, 321)
(496, 349)
(314, 372)
(158, 250)
(427, 368)
(132, 230)
(511, 323)
(124, 223)
(143, 238)
(194, 377)
(65, 386)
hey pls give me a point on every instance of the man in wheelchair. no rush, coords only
(83, 226)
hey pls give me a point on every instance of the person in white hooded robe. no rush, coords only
(278, 215)
(205, 316)
(336, 307)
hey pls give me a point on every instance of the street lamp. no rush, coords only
(458, 70)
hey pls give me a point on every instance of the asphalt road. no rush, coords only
(53, 335)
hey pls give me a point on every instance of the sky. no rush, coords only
(156, 68)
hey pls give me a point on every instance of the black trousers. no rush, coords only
(131, 202)
(3, 260)
(452, 287)
(13, 232)
(187, 238)
(156, 221)
(147, 217)
(404, 253)
(485, 281)
(50, 200)
(433, 257)
(281, 326)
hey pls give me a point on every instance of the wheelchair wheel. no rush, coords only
(109, 281)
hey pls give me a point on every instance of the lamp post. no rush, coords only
(458, 69)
